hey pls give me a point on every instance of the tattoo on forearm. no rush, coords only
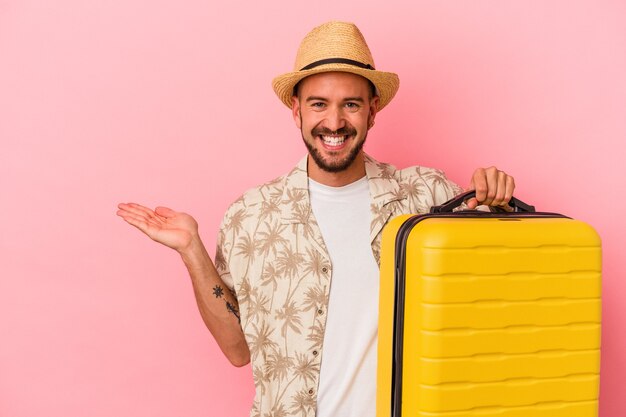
(218, 292)
(231, 308)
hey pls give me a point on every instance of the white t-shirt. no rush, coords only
(347, 385)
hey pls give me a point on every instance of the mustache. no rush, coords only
(344, 131)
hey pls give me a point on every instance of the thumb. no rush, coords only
(165, 212)
(472, 203)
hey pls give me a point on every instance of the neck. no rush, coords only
(353, 173)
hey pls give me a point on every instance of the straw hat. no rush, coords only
(336, 46)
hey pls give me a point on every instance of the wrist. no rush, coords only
(193, 248)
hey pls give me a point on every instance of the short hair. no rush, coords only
(373, 90)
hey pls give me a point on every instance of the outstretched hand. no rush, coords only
(493, 188)
(166, 226)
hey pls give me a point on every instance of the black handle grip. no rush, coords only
(448, 206)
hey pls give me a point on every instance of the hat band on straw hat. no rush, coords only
(337, 61)
(335, 47)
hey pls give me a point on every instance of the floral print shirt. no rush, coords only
(271, 253)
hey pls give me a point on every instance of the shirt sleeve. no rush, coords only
(222, 253)
(443, 188)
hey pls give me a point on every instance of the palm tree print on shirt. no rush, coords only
(272, 255)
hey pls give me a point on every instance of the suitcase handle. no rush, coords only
(448, 206)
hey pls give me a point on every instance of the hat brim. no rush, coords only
(386, 83)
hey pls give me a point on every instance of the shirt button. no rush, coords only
(315, 353)
(324, 270)
(310, 392)
(320, 311)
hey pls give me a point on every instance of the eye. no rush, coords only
(318, 105)
(352, 106)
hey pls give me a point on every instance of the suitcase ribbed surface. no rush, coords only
(501, 318)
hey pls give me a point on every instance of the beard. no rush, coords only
(336, 166)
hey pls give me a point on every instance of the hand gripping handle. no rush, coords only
(448, 206)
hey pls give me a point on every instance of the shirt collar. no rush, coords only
(296, 203)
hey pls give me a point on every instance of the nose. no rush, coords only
(335, 119)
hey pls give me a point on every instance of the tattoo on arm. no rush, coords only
(231, 308)
(218, 292)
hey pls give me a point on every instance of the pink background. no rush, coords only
(170, 103)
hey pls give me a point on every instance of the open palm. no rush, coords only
(173, 229)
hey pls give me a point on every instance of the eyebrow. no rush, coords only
(315, 98)
(359, 99)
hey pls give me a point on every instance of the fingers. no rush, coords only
(510, 187)
(504, 189)
(138, 221)
(140, 210)
(141, 217)
(137, 209)
(498, 200)
(493, 187)
(472, 203)
(480, 184)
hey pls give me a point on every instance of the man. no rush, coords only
(294, 287)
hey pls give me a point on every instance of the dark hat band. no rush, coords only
(337, 61)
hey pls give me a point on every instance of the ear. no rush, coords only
(295, 110)
(374, 101)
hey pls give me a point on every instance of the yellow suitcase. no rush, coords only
(489, 315)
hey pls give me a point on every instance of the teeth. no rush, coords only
(334, 140)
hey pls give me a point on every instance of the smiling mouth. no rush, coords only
(333, 140)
